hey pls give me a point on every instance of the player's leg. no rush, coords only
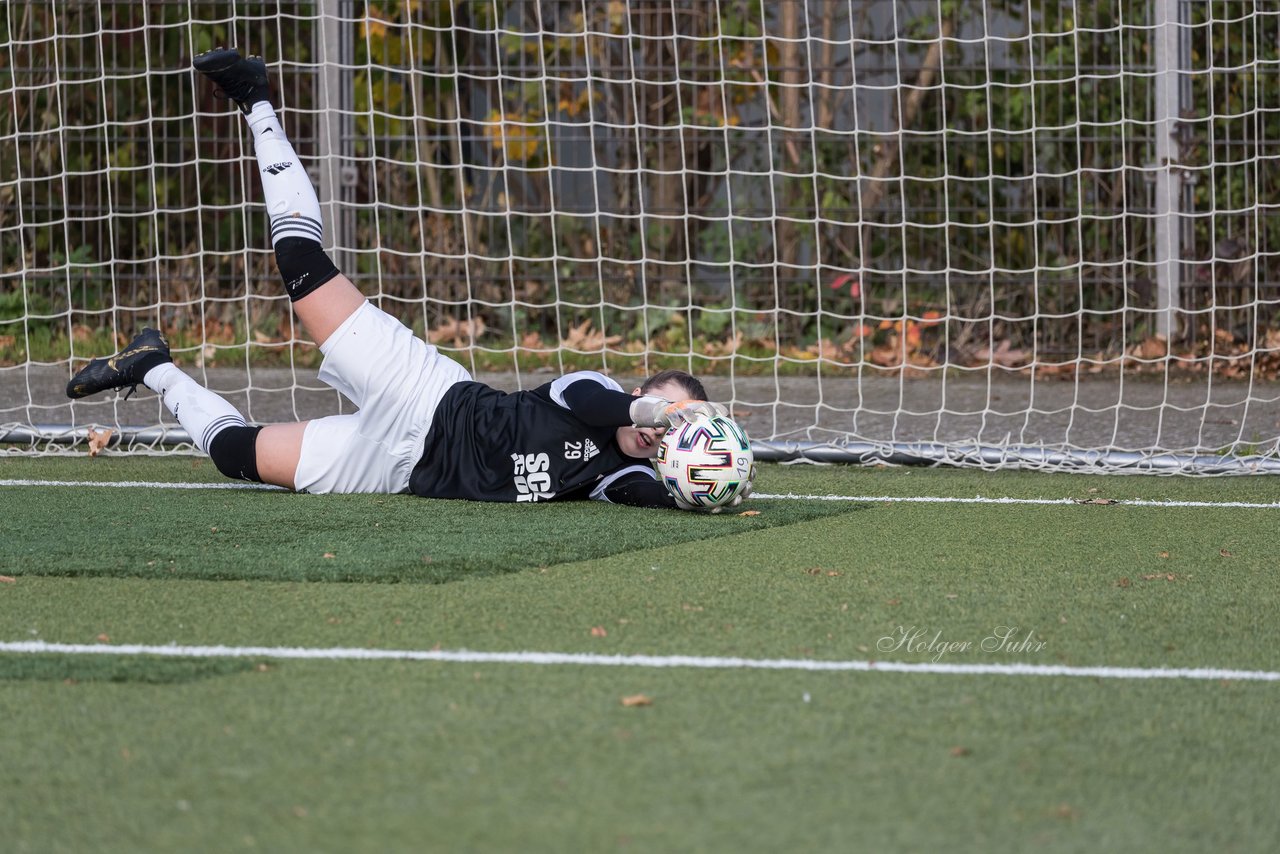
(378, 363)
(278, 449)
(322, 297)
(214, 425)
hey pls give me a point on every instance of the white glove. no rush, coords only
(650, 411)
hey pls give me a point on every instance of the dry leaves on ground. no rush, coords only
(98, 439)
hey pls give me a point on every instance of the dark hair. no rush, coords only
(692, 387)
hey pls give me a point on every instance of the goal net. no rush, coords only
(998, 233)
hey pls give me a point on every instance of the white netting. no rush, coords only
(1025, 233)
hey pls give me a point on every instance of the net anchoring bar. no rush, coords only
(66, 434)
(863, 453)
(1016, 456)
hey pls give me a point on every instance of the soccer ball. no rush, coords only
(705, 462)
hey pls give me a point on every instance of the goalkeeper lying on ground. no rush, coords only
(423, 425)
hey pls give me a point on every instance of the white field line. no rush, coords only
(645, 661)
(979, 499)
(140, 484)
(859, 499)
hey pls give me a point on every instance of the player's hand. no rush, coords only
(650, 411)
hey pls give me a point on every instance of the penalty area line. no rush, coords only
(642, 661)
(789, 496)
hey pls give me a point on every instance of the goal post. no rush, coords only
(1027, 234)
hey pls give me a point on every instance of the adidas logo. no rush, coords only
(277, 168)
(589, 450)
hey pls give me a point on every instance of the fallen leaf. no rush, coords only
(206, 355)
(583, 337)
(637, 700)
(1164, 554)
(1004, 355)
(749, 513)
(1124, 582)
(599, 632)
(1155, 347)
(8, 579)
(328, 555)
(462, 333)
(886, 356)
(1096, 501)
(103, 638)
(98, 439)
(1225, 553)
(960, 751)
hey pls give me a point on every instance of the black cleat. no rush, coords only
(126, 368)
(242, 80)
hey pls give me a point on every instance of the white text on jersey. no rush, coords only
(584, 450)
(532, 478)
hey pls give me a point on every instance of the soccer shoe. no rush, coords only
(126, 368)
(242, 80)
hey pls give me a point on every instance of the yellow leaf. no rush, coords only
(636, 700)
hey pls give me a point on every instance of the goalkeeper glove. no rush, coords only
(650, 411)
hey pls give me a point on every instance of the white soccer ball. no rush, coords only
(705, 462)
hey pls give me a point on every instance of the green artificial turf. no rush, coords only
(116, 753)
(430, 757)
(276, 535)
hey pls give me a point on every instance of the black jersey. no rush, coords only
(489, 445)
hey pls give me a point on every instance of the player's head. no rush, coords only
(689, 385)
(642, 442)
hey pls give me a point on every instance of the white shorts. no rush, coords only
(396, 380)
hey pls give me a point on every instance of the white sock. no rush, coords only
(201, 412)
(291, 199)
